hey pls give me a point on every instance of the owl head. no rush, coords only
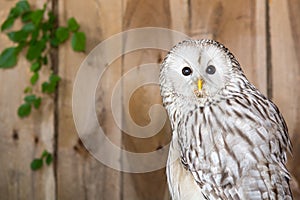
(197, 70)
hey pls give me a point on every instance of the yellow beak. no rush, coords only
(200, 82)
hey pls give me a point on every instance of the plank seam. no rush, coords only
(269, 52)
(54, 56)
(189, 17)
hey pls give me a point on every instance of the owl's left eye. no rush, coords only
(186, 71)
(210, 69)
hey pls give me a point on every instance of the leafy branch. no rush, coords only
(37, 35)
(37, 163)
(34, 40)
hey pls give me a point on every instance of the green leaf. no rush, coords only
(20, 8)
(26, 17)
(47, 27)
(23, 6)
(44, 154)
(18, 36)
(33, 100)
(37, 16)
(49, 159)
(78, 41)
(54, 42)
(20, 46)
(54, 79)
(27, 90)
(35, 67)
(49, 87)
(29, 27)
(35, 50)
(14, 13)
(62, 34)
(51, 17)
(34, 78)
(35, 34)
(46, 37)
(37, 102)
(30, 98)
(36, 164)
(73, 25)
(45, 87)
(24, 110)
(8, 58)
(7, 23)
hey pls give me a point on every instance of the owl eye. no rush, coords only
(210, 69)
(186, 71)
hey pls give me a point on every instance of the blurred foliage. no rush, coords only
(37, 163)
(38, 34)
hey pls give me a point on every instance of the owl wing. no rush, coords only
(243, 151)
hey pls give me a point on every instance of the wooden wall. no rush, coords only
(263, 35)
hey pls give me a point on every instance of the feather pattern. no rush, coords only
(229, 145)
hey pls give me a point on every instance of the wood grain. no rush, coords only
(80, 176)
(240, 26)
(180, 16)
(150, 185)
(22, 140)
(285, 73)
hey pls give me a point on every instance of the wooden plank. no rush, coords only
(240, 26)
(22, 140)
(285, 48)
(151, 185)
(79, 175)
(180, 16)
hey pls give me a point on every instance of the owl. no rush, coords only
(228, 140)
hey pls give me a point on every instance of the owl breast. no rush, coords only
(182, 185)
(224, 152)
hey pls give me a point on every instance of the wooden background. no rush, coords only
(264, 35)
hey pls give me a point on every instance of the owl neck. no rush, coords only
(174, 102)
(187, 114)
(181, 108)
(186, 119)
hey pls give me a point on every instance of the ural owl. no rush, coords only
(228, 140)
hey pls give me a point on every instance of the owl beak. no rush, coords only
(199, 92)
(200, 84)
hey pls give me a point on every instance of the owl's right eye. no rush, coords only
(186, 71)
